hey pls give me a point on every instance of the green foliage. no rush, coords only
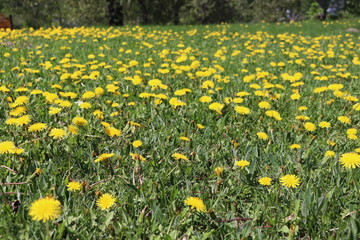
(352, 7)
(44, 13)
(314, 11)
(31, 13)
(82, 12)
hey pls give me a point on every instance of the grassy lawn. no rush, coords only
(240, 131)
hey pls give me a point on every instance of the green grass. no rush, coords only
(150, 194)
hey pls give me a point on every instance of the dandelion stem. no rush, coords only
(104, 180)
(9, 193)
(19, 183)
(34, 140)
(235, 219)
(11, 170)
(47, 231)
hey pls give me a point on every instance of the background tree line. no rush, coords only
(69, 13)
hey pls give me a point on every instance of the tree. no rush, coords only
(177, 4)
(115, 12)
(143, 5)
(31, 13)
(353, 6)
(324, 4)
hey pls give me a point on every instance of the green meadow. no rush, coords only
(230, 131)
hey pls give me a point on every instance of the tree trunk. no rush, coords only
(176, 8)
(11, 22)
(324, 4)
(144, 12)
(115, 13)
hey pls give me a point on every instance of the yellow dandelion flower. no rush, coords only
(295, 146)
(134, 124)
(290, 181)
(184, 138)
(295, 96)
(24, 120)
(106, 201)
(36, 91)
(205, 99)
(64, 103)
(73, 129)
(17, 150)
(352, 136)
(112, 132)
(99, 91)
(85, 105)
(350, 160)
(344, 119)
(57, 133)
(262, 135)
(302, 108)
(178, 156)
(200, 126)
(238, 100)
(274, 114)
(310, 126)
(79, 121)
(324, 124)
(4, 89)
(265, 181)
(196, 203)
(7, 147)
(37, 127)
(88, 95)
(351, 131)
(115, 104)
(54, 110)
(176, 102)
(264, 105)
(242, 110)
(208, 84)
(218, 170)
(137, 143)
(242, 163)
(216, 106)
(105, 124)
(180, 92)
(74, 186)
(329, 153)
(18, 111)
(98, 114)
(136, 156)
(182, 58)
(302, 117)
(104, 156)
(356, 107)
(11, 121)
(21, 100)
(45, 209)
